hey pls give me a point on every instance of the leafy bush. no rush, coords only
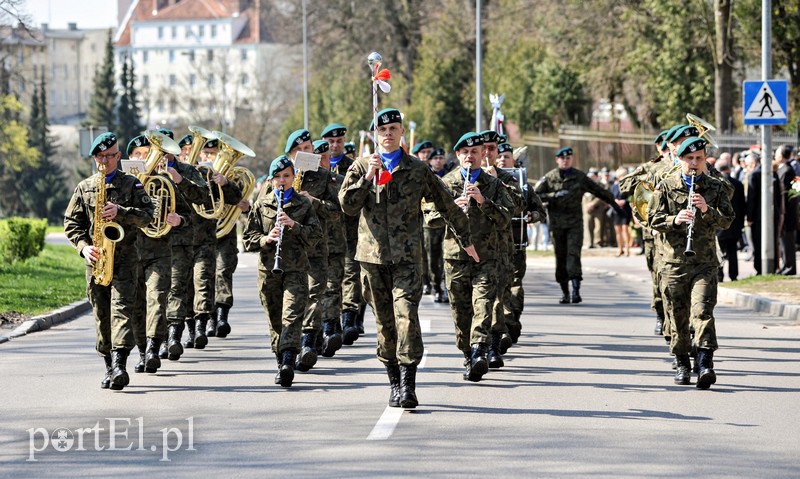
(21, 238)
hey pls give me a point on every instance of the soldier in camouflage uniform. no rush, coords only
(532, 213)
(562, 189)
(422, 151)
(473, 286)
(282, 220)
(433, 233)
(390, 250)
(690, 281)
(128, 205)
(227, 261)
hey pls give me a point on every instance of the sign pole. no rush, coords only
(767, 220)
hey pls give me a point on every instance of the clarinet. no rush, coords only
(465, 208)
(689, 233)
(276, 268)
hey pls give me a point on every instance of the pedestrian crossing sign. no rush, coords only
(765, 102)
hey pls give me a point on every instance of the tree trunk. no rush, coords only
(723, 67)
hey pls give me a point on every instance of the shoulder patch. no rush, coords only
(138, 185)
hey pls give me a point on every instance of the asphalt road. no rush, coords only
(588, 391)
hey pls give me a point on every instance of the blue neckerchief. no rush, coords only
(565, 173)
(675, 159)
(287, 195)
(687, 179)
(335, 160)
(441, 173)
(473, 174)
(391, 160)
(171, 164)
(110, 176)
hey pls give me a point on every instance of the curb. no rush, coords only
(47, 320)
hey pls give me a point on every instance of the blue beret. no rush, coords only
(504, 147)
(212, 143)
(349, 148)
(566, 151)
(321, 146)
(186, 140)
(437, 152)
(691, 145)
(490, 136)
(684, 132)
(468, 140)
(296, 138)
(103, 142)
(167, 132)
(279, 164)
(421, 146)
(136, 142)
(386, 116)
(334, 130)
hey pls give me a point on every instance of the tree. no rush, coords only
(101, 108)
(15, 155)
(128, 109)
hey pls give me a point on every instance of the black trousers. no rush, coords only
(730, 249)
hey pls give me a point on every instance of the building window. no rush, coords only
(35, 71)
(192, 105)
(213, 31)
(201, 30)
(210, 55)
(244, 55)
(52, 73)
(144, 56)
(188, 32)
(172, 56)
(145, 81)
(192, 80)
(53, 97)
(245, 79)
(66, 97)
(172, 79)
(66, 72)
(160, 106)
(191, 56)
(174, 32)
(173, 106)
(210, 80)
(160, 33)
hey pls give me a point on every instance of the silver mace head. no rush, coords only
(374, 60)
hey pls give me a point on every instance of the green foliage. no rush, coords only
(15, 155)
(54, 278)
(21, 238)
(101, 108)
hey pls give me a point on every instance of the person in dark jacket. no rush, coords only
(729, 238)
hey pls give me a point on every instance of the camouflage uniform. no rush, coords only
(505, 242)
(690, 283)
(227, 261)
(352, 299)
(390, 251)
(563, 198)
(337, 248)
(283, 295)
(112, 305)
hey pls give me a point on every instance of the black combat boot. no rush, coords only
(331, 339)
(438, 294)
(106, 382)
(162, 351)
(360, 319)
(515, 327)
(286, 372)
(308, 352)
(705, 362)
(174, 347)
(200, 338)
(564, 292)
(426, 289)
(349, 326)
(119, 376)
(659, 329)
(505, 343)
(408, 386)
(211, 326)
(223, 327)
(139, 368)
(393, 371)
(467, 367)
(495, 359)
(576, 291)
(152, 362)
(477, 361)
(190, 328)
(684, 370)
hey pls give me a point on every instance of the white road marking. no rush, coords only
(425, 325)
(424, 358)
(386, 424)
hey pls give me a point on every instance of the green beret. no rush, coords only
(566, 151)
(103, 142)
(136, 142)
(279, 164)
(691, 145)
(349, 148)
(386, 116)
(421, 146)
(437, 152)
(502, 138)
(684, 132)
(296, 138)
(334, 130)
(212, 143)
(504, 147)
(167, 132)
(490, 136)
(321, 146)
(660, 138)
(186, 140)
(468, 140)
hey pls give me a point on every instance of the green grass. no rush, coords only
(55, 229)
(49, 281)
(764, 279)
(539, 253)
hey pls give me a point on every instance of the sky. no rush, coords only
(86, 13)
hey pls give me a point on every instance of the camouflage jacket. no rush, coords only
(135, 211)
(343, 165)
(390, 232)
(563, 197)
(319, 185)
(195, 191)
(531, 203)
(670, 197)
(337, 220)
(205, 229)
(296, 241)
(486, 221)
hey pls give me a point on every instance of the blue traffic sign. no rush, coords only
(765, 102)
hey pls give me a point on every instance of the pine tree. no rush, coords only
(101, 109)
(128, 110)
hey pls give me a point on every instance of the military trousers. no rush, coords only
(204, 271)
(567, 243)
(332, 300)
(657, 304)
(317, 282)
(515, 301)
(152, 292)
(181, 279)
(394, 292)
(227, 261)
(434, 239)
(113, 307)
(502, 291)
(690, 295)
(473, 292)
(283, 297)
(352, 297)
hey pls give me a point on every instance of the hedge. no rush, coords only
(21, 238)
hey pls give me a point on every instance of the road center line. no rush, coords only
(425, 325)
(391, 415)
(424, 358)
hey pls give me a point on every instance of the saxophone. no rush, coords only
(105, 236)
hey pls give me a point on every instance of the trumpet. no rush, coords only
(690, 232)
(231, 151)
(276, 267)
